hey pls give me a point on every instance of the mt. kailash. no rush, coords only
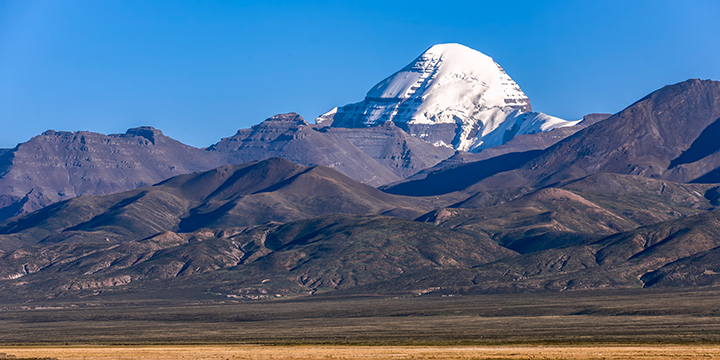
(450, 95)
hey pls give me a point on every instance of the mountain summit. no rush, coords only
(450, 95)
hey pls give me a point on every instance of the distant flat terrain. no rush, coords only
(640, 316)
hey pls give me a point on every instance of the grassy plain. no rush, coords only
(627, 324)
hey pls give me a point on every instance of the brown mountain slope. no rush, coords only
(229, 196)
(544, 219)
(320, 254)
(703, 154)
(672, 253)
(701, 269)
(665, 242)
(643, 139)
(313, 191)
(590, 208)
(465, 177)
(642, 200)
(668, 134)
(361, 255)
(558, 230)
(343, 252)
(56, 166)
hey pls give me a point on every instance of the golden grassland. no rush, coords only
(216, 352)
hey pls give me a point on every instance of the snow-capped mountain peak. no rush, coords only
(450, 94)
(451, 73)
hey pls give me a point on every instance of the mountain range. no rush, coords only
(378, 197)
(60, 165)
(56, 166)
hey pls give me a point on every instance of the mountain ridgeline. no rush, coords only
(666, 135)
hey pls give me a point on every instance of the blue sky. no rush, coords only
(200, 70)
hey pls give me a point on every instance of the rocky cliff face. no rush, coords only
(394, 148)
(290, 137)
(59, 165)
(450, 95)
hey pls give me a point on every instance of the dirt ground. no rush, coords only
(367, 352)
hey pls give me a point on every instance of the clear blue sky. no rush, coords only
(200, 70)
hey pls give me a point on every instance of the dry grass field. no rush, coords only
(217, 352)
(628, 324)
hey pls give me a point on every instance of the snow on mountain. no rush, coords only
(450, 95)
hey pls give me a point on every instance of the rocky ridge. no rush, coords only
(59, 165)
